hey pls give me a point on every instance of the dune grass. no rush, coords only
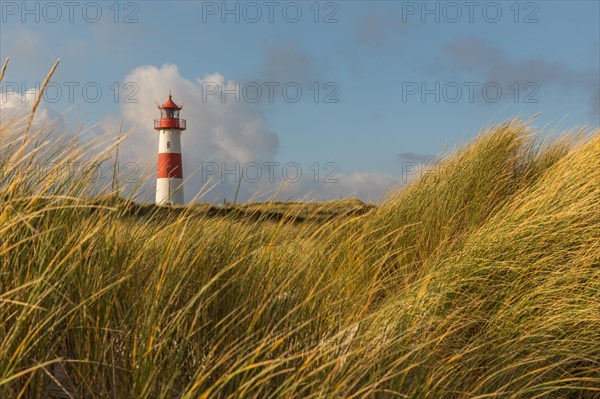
(481, 279)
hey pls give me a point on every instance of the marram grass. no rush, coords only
(479, 280)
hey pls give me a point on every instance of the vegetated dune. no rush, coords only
(481, 279)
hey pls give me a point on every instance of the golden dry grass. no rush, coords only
(479, 280)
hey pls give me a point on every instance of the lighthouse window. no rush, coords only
(168, 144)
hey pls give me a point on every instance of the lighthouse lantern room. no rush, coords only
(169, 179)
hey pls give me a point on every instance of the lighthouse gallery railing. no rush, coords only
(167, 123)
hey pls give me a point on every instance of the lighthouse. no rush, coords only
(169, 178)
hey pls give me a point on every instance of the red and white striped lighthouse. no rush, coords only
(169, 179)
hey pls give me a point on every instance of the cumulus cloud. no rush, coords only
(224, 130)
(226, 135)
(371, 187)
(218, 131)
(18, 106)
(363, 185)
(222, 140)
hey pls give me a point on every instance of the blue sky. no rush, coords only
(372, 58)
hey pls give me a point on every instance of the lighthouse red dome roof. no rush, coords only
(170, 104)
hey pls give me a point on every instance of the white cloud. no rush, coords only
(217, 131)
(225, 134)
(226, 131)
(19, 105)
(362, 185)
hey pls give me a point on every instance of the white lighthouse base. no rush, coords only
(169, 191)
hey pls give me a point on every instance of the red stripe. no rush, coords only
(169, 166)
